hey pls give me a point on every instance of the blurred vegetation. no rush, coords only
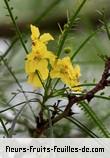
(29, 11)
(88, 58)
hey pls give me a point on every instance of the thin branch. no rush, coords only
(16, 26)
(72, 98)
(67, 28)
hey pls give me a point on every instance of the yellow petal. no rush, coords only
(35, 33)
(68, 73)
(55, 74)
(51, 57)
(65, 79)
(30, 56)
(46, 37)
(77, 69)
(34, 80)
(42, 68)
(30, 66)
(39, 47)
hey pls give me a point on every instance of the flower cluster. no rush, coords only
(38, 61)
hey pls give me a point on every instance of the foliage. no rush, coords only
(49, 111)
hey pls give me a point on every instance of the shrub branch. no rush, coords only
(75, 99)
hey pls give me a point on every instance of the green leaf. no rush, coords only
(83, 128)
(83, 44)
(11, 131)
(4, 127)
(67, 27)
(92, 115)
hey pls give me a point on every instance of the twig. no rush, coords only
(104, 81)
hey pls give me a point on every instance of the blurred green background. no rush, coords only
(28, 12)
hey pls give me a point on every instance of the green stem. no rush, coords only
(66, 30)
(106, 26)
(4, 127)
(83, 44)
(40, 79)
(90, 113)
(82, 127)
(68, 27)
(54, 86)
(17, 82)
(18, 105)
(16, 26)
(10, 47)
(11, 131)
(50, 124)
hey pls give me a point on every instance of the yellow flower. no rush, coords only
(37, 38)
(39, 58)
(51, 57)
(68, 73)
(36, 61)
(34, 80)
